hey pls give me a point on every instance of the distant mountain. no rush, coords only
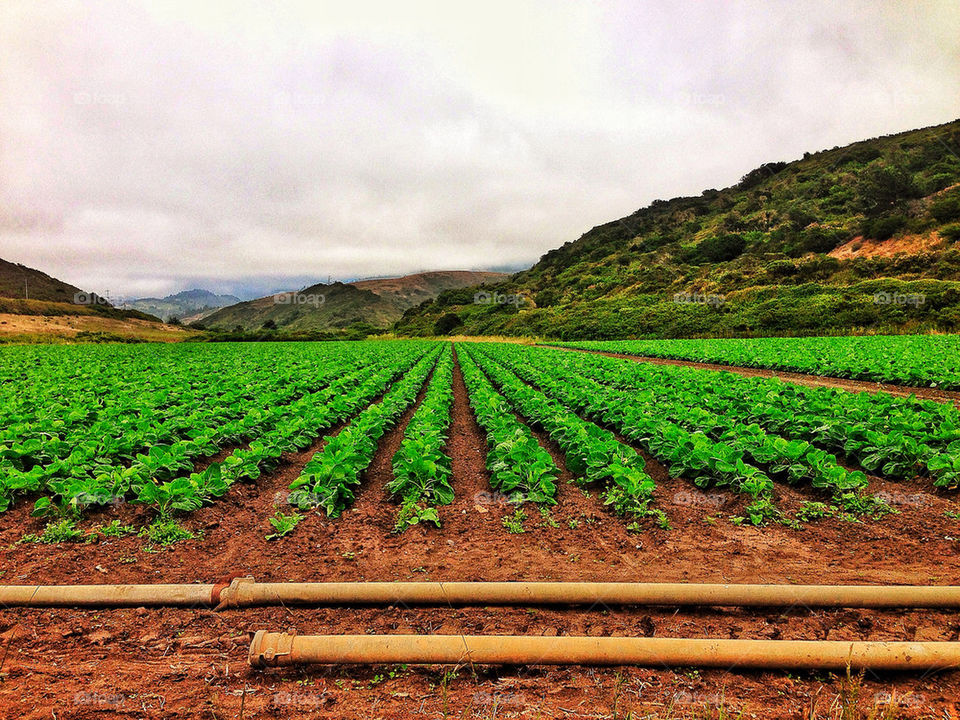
(189, 304)
(863, 236)
(375, 302)
(411, 290)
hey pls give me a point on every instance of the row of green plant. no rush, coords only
(46, 391)
(290, 427)
(296, 430)
(156, 410)
(330, 478)
(921, 360)
(520, 469)
(893, 436)
(134, 443)
(421, 469)
(591, 451)
(687, 454)
(659, 409)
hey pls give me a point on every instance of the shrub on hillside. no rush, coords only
(951, 232)
(720, 248)
(881, 187)
(884, 228)
(446, 324)
(947, 207)
(820, 239)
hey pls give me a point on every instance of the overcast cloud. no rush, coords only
(150, 147)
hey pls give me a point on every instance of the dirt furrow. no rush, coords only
(373, 504)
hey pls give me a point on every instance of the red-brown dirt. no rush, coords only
(175, 663)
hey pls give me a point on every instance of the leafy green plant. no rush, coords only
(83, 439)
(283, 524)
(589, 449)
(815, 511)
(167, 532)
(411, 514)
(904, 359)
(548, 519)
(421, 470)
(727, 429)
(518, 466)
(514, 523)
(114, 529)
(331, 476)
(57, 531)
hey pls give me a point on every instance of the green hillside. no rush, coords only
(865, 236)
(370, 304)
(316, 308)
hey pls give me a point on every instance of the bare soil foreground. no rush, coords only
(176, 663)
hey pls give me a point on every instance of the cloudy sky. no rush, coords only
(150, 147)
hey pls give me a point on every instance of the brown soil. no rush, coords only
(175, 663)
(947, 396)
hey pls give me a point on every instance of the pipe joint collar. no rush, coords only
(229, 596)
(272, 649)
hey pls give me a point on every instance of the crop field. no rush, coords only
(920, 360)
(428, 460)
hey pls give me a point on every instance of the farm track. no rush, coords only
(192, 663)
(944, 396)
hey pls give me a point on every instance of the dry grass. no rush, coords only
(54, 328)
(489, 338)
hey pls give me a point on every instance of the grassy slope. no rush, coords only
(86, 327)
(411, 290)
(376, 303)
(797, 247)
(341, 306)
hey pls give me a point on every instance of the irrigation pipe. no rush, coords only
(269, 649)
(245, 592)
(100, 596)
